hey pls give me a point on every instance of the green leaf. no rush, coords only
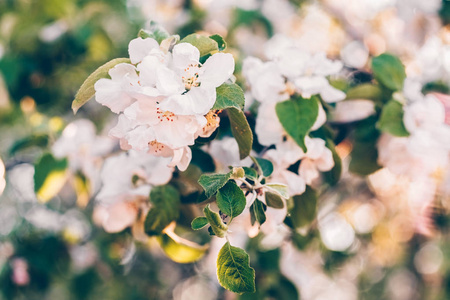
(156, 32)
(364, 158)
(87, 91)
(333, 176)
(50, 175)
(364, 155)
(279, 188)
(250, 173)
(264, 165)
(274, 200)
(203, 160)
(214, 219)
(180, 250)
(229, 95)
(220, 41)
(234, 271)
(305, 208)
(365, 91)
(241, 131)
(297, 116)
(165, 201)
(391, 120)
(213, 182)
(231, 199)
(199, 223)
(203, 43)
(257, 212)
(389, 71)
(38, 140)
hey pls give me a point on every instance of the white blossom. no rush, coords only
(165, 100)
(127, 180)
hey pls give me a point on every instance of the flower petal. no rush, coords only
(185, 54)
(268, 128)
(143, 112)
(295, 183)
(323, 66)
(147, 70)
(308, 170)
(217, 69)
(321, 118)
(180, 132)
(330, 94)
(168, 82)
(139, 48)
(119, 217)
(310, 85)
(124, 124)
(139, 137)
(112, 92)
(325, 161)
(181, 158)
(198, 101)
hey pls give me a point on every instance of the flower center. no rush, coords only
(156, 147)
(165, 116)
(212, 122)
(190, 78)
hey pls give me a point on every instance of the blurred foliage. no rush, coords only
(52, 45)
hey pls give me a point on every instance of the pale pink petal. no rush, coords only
(114, 92)
(139, 48)
(119, 217)
(180, 132)
(185, 54)
(321, 118)
(124, 125)
(181, 158)
(310, 85)
(251, 68)
(295, 183)
(330, 94)
(315, 147)
(198, 100)
(123, 70)
(269, 85)
(143, 112)
(112, 95)
(292, 62)
(325, 161)
(139, 137)
(268, 128)
(168, 82)
(323, 66)
(147, 70)
(308, 170)
(217, 69)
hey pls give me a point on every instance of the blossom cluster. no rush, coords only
(164, 97)
(291, 70)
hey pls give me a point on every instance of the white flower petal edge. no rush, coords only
(185, 54)
(216, 70)
(113, 92)
(139, 48)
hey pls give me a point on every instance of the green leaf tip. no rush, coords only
(233, 270)
(87, 90)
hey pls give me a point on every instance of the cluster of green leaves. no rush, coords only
(389, 74)
(233, 268)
